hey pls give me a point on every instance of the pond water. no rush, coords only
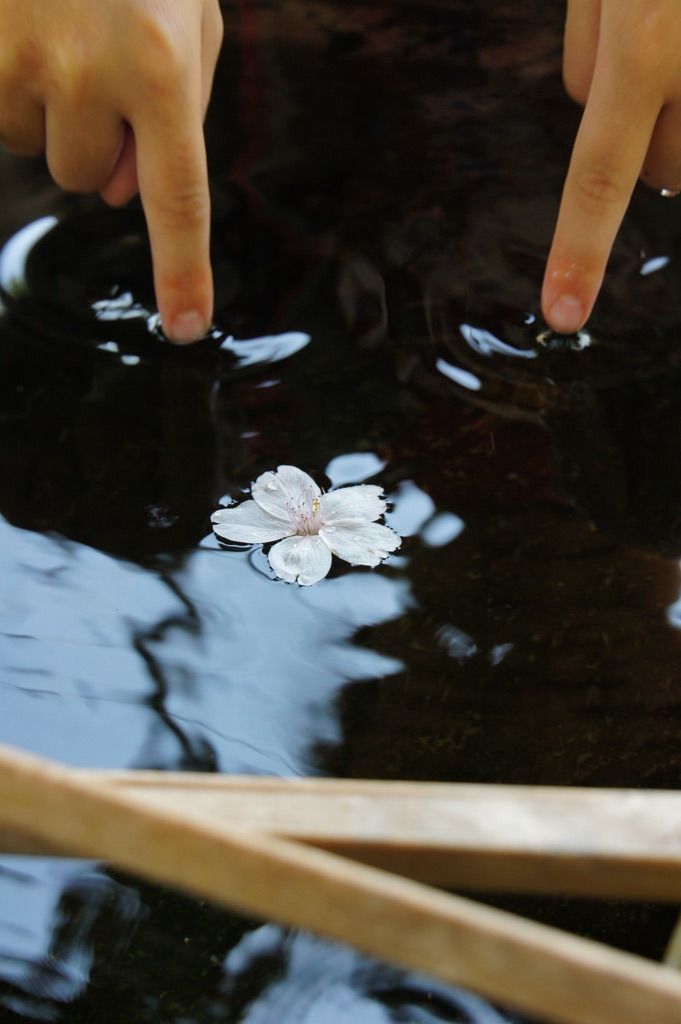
(385, 180)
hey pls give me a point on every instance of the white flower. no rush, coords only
(310, 525)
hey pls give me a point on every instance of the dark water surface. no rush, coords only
(385, 181)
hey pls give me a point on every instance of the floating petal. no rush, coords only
(362, 544)
(305, 559)
(361, 503)
(250, 524)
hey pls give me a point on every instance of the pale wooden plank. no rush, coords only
(589, 842)
(672, 954)
(539, 970)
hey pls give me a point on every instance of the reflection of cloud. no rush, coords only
(354, 468)
(413, 512)
(411, 509)
(263, 671)
(442, 530)
(105, 663)
(73, 685)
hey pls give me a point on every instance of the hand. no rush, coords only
(115, 93)
(620, 62)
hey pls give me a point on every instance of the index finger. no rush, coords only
(607, 158)
(173, 182)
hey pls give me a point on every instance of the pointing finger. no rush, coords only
(173, 181)
(609, 151)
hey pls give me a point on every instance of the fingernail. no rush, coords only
(567, 314)
(187, 327)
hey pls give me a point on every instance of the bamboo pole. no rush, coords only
(587, 842)
(538, 970)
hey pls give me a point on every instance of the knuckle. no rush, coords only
(160, 82)
(161, 58)
(21, 63)
(187, 285)
(597, 187)
(69, 73)
(640, 49)
(71, 76)
(184, 210)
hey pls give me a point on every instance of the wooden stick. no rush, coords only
(537, 969)
(672, 954)
(588, 842)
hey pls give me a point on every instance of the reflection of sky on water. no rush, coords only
(327, 984)
(16, 251)
(106, 664)
(30, 890)
(528, 632)
(260, 678)
(94, 647)
(70, 673)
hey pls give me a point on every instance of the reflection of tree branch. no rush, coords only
(197, 754)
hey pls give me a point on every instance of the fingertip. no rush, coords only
(569, 292)
(183, 281)
(565, 313)
(186, 305)
(173, 179)
(186, 327)
(609, 150)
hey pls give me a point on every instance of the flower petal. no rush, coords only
(274, 491)
(249, 523)
(361, 503)
(306, 559)
(361, 544)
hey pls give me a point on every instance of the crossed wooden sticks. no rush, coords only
(340, 858)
